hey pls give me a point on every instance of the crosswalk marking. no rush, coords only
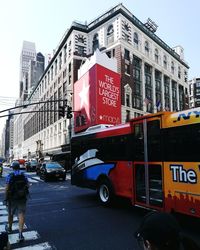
(41, 246)
(2, 207)
(14, 237)
(3, 212)
(37, 178)
(32, 180)
(4, 219)
(30, 235)
(15, 226)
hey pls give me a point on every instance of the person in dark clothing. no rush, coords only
(4, 243)
(161, 231)
(16, 194)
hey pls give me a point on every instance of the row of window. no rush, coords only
(157, 56)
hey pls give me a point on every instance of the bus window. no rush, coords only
(153, 140)
(182, 143)
(139, 142)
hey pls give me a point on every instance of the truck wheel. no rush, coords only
(105, 192)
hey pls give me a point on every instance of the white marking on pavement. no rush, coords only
(41, 246)
(32, 173)
(30, 235)
(5, 219)
(1, 203)
(3, 212)
(37, 178)
(15, 226)
(32, 180)
(2, 207)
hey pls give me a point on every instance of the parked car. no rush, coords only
(6, 164)
(52, 170)
(31, 165)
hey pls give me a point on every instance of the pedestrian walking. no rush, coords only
(161, 231)
(16, 194)
(1, 169)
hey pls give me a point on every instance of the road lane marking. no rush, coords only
(41, 246)
(30, 235)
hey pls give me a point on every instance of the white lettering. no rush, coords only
(182, 175)
(110, 119)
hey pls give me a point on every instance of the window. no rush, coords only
(197, 84)
(148, 80)
(127, 115)
(179, 72)
(80, 39)
(182, 143)
(60, 61)
(56, 67)
(127, 100)
(69, 48)
(95, 42)
(127, 69)
(165, 61)
(146, 47)
(172, 67)
(110, 34)
(136, 74)
(51, 73)
(137, 102)
(126, 55)
(139, 142)
(69, 68)
(153, 140)
(126, 31)
(65, 53)
(135, 39)
(127, 95)
(156, 55)
(80, 50)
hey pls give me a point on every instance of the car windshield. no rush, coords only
(53, 165)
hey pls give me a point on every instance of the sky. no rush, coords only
(45, 22)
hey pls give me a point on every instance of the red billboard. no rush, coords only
(97, 98)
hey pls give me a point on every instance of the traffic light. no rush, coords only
(69, 112)
(61, 111)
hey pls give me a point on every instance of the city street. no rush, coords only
(61, 216)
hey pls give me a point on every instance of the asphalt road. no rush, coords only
(60, 216)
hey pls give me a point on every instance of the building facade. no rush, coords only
(28, 54)
(194, 93)
(31, 69)
(153, 76)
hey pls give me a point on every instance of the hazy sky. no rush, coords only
(45, 22)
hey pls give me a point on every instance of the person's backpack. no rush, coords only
(18, 187)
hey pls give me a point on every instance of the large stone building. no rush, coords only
(194, 93)
(153, 76)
